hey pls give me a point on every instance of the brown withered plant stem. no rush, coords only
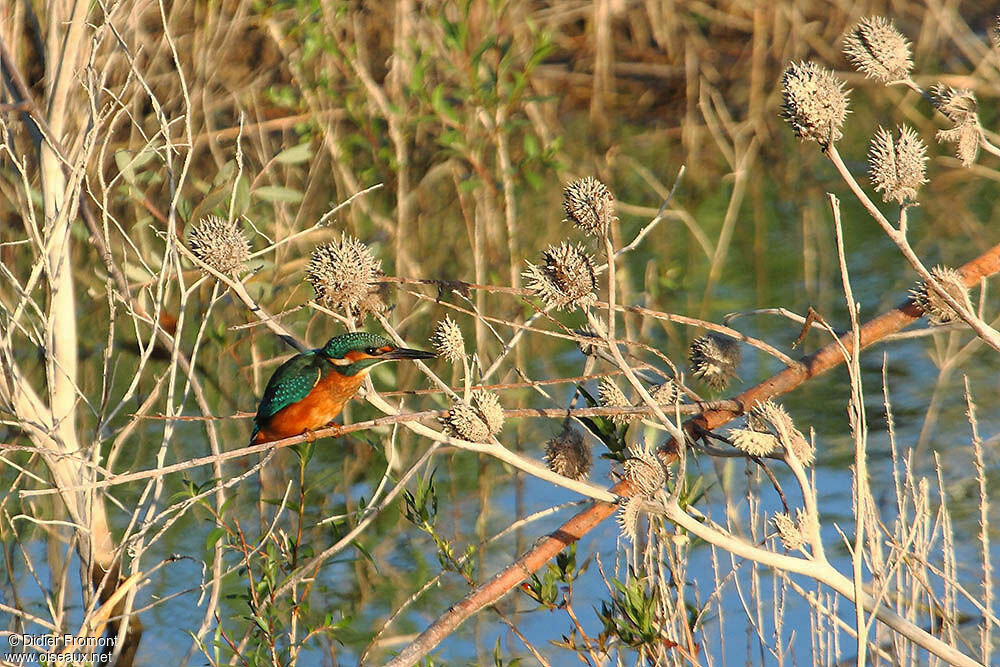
(579, 525)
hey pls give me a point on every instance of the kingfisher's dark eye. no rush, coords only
(371, 350)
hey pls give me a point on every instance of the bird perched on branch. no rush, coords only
(310, 389)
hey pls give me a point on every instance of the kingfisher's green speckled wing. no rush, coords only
(292, 382)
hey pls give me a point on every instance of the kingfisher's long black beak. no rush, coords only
(407, 353)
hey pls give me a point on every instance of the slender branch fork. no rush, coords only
(333, 431)
(828, 357)
(795, 373)
(708, 415)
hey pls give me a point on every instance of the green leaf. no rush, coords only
(278, 193)
(242, 198)
(214, 536)
(295, 154)
(225, 173)
(364, 552)
(530, 145)
(128, 165)
(216, 198)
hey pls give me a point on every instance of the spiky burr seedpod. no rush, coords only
(590, 205)
(715, 359)
(220, 244)
(568, 455)
(448, 341)
(801, 447)
(645, 472)
(566, 278)
(666, 393)
(464, 421)
(788, 530)
(771, 417)
(930, 302)
(960, 107)
(588, 341)
(814, 102)
(897, 167)
(344, 276)
(876, 48)
(609, 395)
(490, 409)
(754, 443)
(628, 517)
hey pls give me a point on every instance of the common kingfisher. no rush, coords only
(310, 389)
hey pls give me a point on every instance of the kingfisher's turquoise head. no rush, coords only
(352, 353)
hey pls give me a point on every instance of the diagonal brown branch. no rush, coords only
(810, 366)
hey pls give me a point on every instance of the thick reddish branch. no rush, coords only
(821, 361)
(832, 354)
(508, 578)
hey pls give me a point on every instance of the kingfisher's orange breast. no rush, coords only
(316, 410)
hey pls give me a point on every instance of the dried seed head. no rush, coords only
(666, 394)
(490, 409)
(789, 532)
(588, 341)
(220, 244)
(930, 302)
(448, 341)
(995, 32)
(566, 278)
(376, 301)
(715, 359)
(568, 455)
(814, 102)
(879, 50)
(343, 274)
(610, 396)
(628, 517)
(754, 443)
(897, 168)
(966, 139)
(960, 107)
(958, 104)
(463, 421)
(757, 423)
(590, 205)
(645, 472)
(800, 447)
(770, 417)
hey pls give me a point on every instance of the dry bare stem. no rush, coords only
(823, 360)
